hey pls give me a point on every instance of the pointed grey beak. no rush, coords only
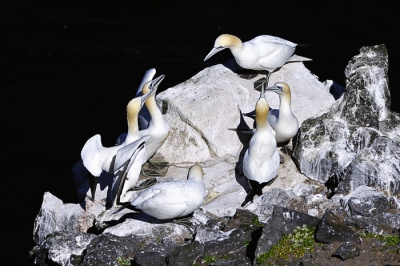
(262, 95)
(277, 89)
(214, 51)
(153, 88)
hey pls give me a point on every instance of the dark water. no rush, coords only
(69, 69)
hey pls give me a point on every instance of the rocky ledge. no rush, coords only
(335, 199)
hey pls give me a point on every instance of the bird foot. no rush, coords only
(145, 184)
(185, 222)
(158, 165)
(149, 173)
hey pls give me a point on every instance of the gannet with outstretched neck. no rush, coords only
(158, 126)
(283, 121)
(97, 158)
(264, 52)
(261, 160)
(170, 200)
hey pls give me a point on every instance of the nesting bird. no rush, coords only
(264, 52)
(261, 160)
(170, 200)
(283, 121)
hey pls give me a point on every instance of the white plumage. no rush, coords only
(173, 199)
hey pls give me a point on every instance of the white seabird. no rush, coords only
(261, 160)
(144, 115)
(264, 52)
(97, 158)
(170, 200)
(283, 121)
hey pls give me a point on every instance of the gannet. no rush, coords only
(283, 121)
(170, 200)
(131, 158)
(97, 158)
(261, 160)
(264, 52)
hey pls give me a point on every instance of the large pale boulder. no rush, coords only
(357, 142)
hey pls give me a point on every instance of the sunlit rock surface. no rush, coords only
(357, 142)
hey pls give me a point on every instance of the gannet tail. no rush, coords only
(298, 58)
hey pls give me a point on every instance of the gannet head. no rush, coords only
(281, 88)
(195, 173)
(152, 85)
(134, 106)
(222, 42)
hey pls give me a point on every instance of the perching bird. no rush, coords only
(97, 158)
(144, 115)
(261, 160)
(264, 52)
(170, 200)
(283, 121)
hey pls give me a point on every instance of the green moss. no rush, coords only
(256, 222)
(225, 257)
(123, 262)
(292, 245)
(209, 259)
(246, 243)
(390, 241)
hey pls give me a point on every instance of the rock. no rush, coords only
(347, 251)
(154, 254)
(369, 209)
(332, 228)
(54, 216)
(245, 261)
(282, 222)
(63, 248)
(150, 228)
(263, 206)
(185, 254)
(301, 189)
(349, 140)
(109, 249)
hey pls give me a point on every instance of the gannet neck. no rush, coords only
(132, 111)
(262, 108)
(195, 173)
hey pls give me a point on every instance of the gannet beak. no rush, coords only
(262, 95)
(214, 51)
(277, 89)
(153, 88)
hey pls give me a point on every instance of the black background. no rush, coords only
(68, 69)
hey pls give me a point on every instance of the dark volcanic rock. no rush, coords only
(282, 222)
(106, 249)
(186, 254)
(63, 248)
(154, 254)
(238, 262)
(357, 141)
(347, 251)
(332, 228)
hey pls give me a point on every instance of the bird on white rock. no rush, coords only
(170, 200)
(283, 121)
(261, 160)
(264, 52)
(97, 158)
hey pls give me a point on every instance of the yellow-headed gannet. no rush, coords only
(261, 160)
(97, 158)
(264, 52)
(283, 121)
(170, 200)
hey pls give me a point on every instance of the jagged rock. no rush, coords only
(63, 248)
(282, 222)
(263, 206)
(149, 227)
(346, 251)
(245, 261)
(348, 142)
(108, 249)
(332, 228)
(301, 189)
(54, 216)
(154, 254)
(369, 209)
(186, 254)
